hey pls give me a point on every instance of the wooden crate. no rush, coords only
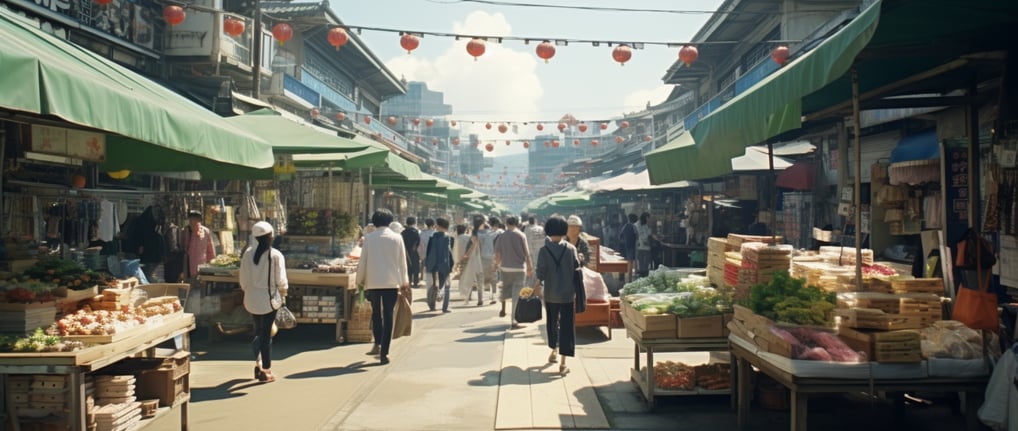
(661, 322)
(868, 318)
(919, 285)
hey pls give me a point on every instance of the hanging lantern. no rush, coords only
(622, 54)
(392, 121)
(561, 127)
(502, 128)
(340, 116)
(119, 175)
(576, 142)
(78, 181)
(417, 121)
(475, 48)
(619, 139)
(315, 112)
(540, 127)
(526, 144)
(604, 126)
(780, 55)
(593, 142)
(233, 27)
(452, 123)
(624, 125)
(546, 50)
(434, 141)
(282, 32)
(507, 142)
(174, 15)
(455, 141)
(555, 143)
(547, 144)
(409, 42)
(490, 148)
(487, 126)
(367, 119)
(338, 37)
(429, 122)
(104, 2)
(688, 54)
(648, 138)
(582, 127)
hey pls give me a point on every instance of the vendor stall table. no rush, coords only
(74, 365)
(644, 379)
(801, 388)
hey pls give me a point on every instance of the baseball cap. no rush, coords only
(574, 221)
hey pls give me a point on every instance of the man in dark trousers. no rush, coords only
(628, 237)
(412, 242)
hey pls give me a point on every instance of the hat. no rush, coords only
(574, 221)
(396, 227)
(261, 228)
(194, 213)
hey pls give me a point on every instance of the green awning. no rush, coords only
(154, 129)
(771, 107)
(381, 161)
(289, 137)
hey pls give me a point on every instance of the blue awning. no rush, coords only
(919, 146)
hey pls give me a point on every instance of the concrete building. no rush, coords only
(411, 112)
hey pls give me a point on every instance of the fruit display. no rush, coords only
(674, 376)
(790, 300)
(817, 345)
(100, 322)
(27, 293)
(713, 377)
(39, 342)
(878, 270)
(66, 274)
(160, 306)
(226, 261)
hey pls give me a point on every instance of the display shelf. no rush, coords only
(643, 377)
(639, 377)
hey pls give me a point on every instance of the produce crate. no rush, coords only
(919, 285)
(700, 327)
(756, 328)
(649, 327)
(27, 320)
(160, 384)
(876, 319)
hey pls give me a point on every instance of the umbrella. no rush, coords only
(799, 176)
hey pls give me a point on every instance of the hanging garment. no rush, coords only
(121, 212)
(108, 225)
(1000, 410)
(933, 211)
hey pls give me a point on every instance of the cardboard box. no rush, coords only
(160, 384)
(656, 323)
(700, 327)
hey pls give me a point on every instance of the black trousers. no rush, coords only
(413, 266)
(262, 343)
(562, 327)
(383, 302)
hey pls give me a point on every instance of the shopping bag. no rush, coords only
(977, 308)
(403, 317)
(529, 309)
(285, 318)
(358, 330)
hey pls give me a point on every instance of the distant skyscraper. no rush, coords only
(430, 142)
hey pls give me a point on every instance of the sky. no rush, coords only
(509, 83)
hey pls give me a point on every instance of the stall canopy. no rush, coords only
(920, 146)
(151, 128)
(771, 107)
(379, 160)
(630, 181)
(290, 137)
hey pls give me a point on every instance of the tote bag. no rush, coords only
(529, 309)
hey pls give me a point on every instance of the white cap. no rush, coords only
(261, 228)
(574, 221)
(396, 227)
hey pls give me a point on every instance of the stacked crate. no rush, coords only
(716, 248)
(115, 406)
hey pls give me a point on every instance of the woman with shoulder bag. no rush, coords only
(557, 266)
(263, 279)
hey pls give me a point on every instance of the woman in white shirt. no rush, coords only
(263, 279)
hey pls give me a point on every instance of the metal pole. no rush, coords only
(256, 51)
(774, 196)
(972, 124)
(857, 126)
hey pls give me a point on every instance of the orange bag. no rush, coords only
(977, 308)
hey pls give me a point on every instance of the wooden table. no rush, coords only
(644, 379)
(76, 364)
(801, 388)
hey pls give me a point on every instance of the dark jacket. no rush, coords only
(628, 238)
(438, 256)
(558, 266)
(412, 241)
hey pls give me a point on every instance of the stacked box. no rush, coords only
(716, 248)
(843, 256)
(46, 395)
(113, 403)
(759, 263)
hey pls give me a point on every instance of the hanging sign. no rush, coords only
(78, 144)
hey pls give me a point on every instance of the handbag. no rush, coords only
(976, 308)
(529, 309)
(284, 317)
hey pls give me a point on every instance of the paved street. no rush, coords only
(466, 371)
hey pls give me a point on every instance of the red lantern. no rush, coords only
(547, 144)
(582, 127)
(392, 121)
(174, 15)
(546, 50)
(780, 55)
(417, 121)
(648, 138)
(367, 119)
(507, 142)
(604, 126)
(561, 126)
(593, 142)
(409, 42)
(688, 54)
(282, 32)
(452, 123)
(555, 143)
(475, 48)
(78, 181)
(455, 141)
(104, 2)
(315, 112)
(502, 128)
(487, 126)
(622, 54)
(624, 125)
(434, 141)
(338, 37)
(340, 116)
(576, 142)
(526, 144)
(489, 147)
(429, 122)
(540, 127)
(233, 27)
(619, 139)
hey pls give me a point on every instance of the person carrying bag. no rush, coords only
(263, 296)
(976, 307)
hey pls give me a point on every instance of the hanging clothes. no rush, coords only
(933, 210)
(1000, 410)
(109, 226)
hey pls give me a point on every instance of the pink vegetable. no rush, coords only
(815, 354)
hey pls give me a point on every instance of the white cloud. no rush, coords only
(500, 85)
(638, 100)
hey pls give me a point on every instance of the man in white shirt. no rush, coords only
(535, 240)
(382, 272)
(429, 230)
(488, 237)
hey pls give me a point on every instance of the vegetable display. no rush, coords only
(665, 281)
(39, 342)
(790, 300)
(671, 375)
(226, 261)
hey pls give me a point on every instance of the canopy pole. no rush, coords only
(857, 128)
(256, 54)
(972, 124)
(371, 193)
(774, 195)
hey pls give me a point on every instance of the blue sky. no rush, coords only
(509, 82)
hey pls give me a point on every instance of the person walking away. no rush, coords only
(557, 264)
(473, 272)
(488, 256)
(197, 246)
(438, 264)
(263, 279)
(575, 237)
(512, 257)
(535, 240)
(627, 239)
(382, 272)
(429, 229)
(412, 241)
(643, 245)
(460, 244)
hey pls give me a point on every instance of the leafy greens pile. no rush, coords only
(790, 300)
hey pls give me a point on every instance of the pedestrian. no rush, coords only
(197, 245)
(473, 273)
(535, 240)
(412, 241)
(575, 237)
(645, 235)
(488, 236)
(263, 279)
(382, 272)
(429, 229)
(557, 265)
(512, 258)
(438, 263)
(627, 239)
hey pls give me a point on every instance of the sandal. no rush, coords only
(552, 358)
(258, 374)
(563, 369)
(267, 377)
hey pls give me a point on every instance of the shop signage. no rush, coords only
(956, 189)
(129, 21)
(77, 144)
